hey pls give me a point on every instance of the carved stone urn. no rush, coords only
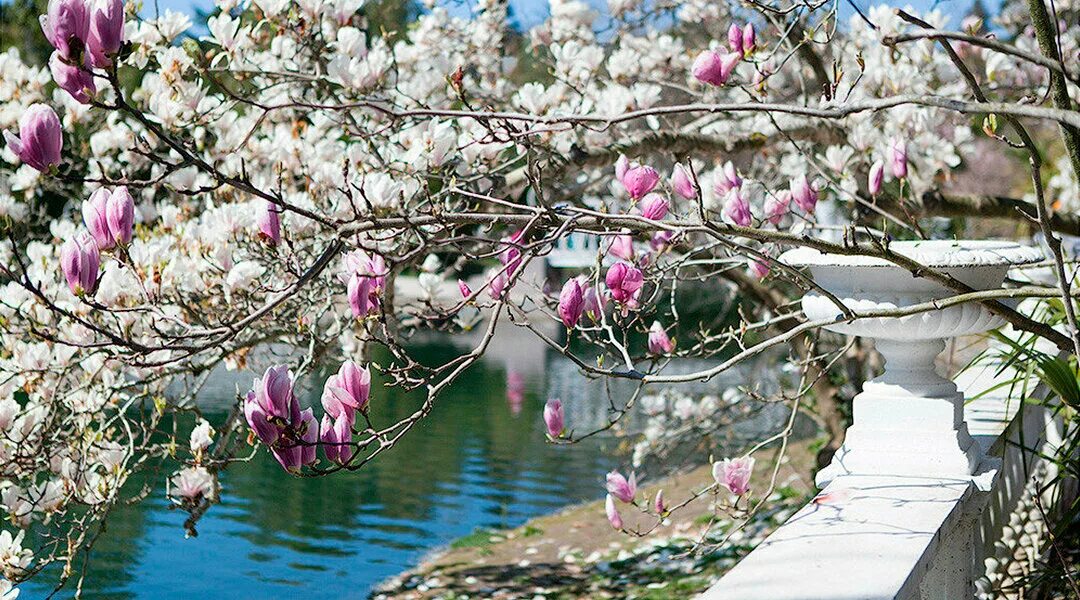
(910, 420)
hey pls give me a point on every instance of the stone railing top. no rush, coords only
(867, 537)
(929, 253)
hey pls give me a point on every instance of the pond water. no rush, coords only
(479, 461)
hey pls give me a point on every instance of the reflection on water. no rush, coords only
(479, 460)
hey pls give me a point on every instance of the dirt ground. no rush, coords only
(575, 553)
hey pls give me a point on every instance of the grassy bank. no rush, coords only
(574, 553)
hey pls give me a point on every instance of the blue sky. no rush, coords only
(531, 12)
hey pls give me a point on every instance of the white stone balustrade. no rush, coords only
(926, 483)
(574, 250)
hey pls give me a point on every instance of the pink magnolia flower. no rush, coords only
(639, 180)
(659, 505)
(511, 256)
(40, 138)
(266, 430)
(659, 342)
(106, 32)
(571, 303)
(714, 68)
(737, 209)
(193, 483)
(707, 68)
(95, 217)
(554, 418)
(682, 183)
(333, 406)
(110, 217)
(653, 207)
(464, 288)
(367, 265)
(898, 157)
(273, 413)
(728, 62)
(804, 194)
(80, 262)
(297, 447)
(622, 246)
(735, 38)
(612, 511)
(661, 240)
(75, 80)
(758, 268)
(300, 450)
(310, 436)
(748, 39)
(734, 474)
(726, 179)
(269, 221)
(366, 277)
(621, 167)
(120, 215)
(777, 206)
(622, 488)
(334, 436)
(594, 302)
(498, 284)
(624, 281)
(363, 299)
(273, 392)
(347, 390)
(876, 178)
(67, 25)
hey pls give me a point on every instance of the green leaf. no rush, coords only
(1059, 376)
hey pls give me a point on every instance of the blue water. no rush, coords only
(479, 461)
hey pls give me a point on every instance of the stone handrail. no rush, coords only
(908, 537)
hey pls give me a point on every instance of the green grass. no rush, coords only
(531, 530)
(480, 538)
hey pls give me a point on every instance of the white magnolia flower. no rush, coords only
(202, 436)
(13, 557)
(8, 591)
(192, 483)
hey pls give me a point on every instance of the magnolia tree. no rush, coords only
(173, 203)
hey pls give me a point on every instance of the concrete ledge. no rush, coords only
(871, 538)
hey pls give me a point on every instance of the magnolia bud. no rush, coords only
(67, 25)
(80, 262)
(659, 342)
(804, 194)
(748, 39)
(876, 178)
(639, 180)
(120, 212)
(571, 303)
(269, 222)
(737, 209)
(898, 158)
(735, 38)
(106, 32)
(653, 207)
(77, 81)
(554, 418)
(682, 183)
(95, 217)
(40, 138)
